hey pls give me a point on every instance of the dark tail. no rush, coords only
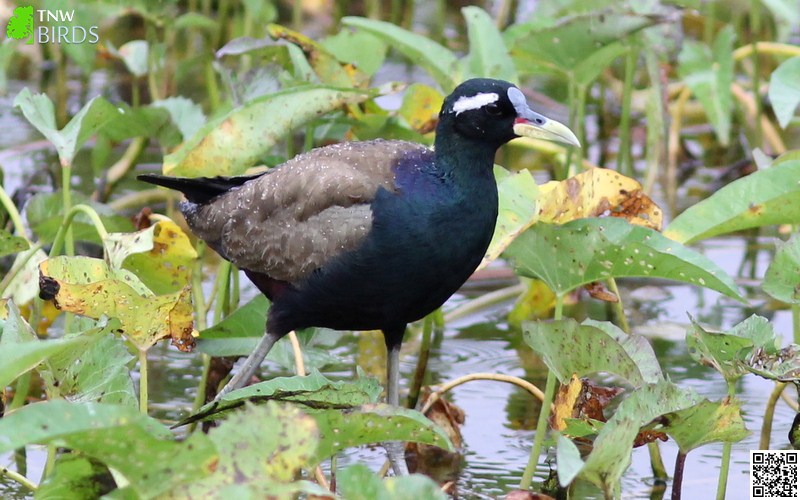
(198, 190)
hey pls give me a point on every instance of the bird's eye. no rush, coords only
(493, 109)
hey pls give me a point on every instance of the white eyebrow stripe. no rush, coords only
(476, 101)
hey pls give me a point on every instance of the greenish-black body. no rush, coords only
(427, 237)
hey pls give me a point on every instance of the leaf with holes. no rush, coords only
(568, 348)
(768, 196)
(87, 286)
(586, 250)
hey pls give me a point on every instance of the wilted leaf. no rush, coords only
(705, 422)
(769, 196)
(586, 250)
(782, 280)
(161, 256)
(583, 349)
(239, 140)
(87, 286)
(784, 90)
(420, 107)
(598, 192)
(709, 73)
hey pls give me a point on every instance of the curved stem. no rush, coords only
(544, 413)
(535, 391)
(17, 477)
(19, 266)
(13, 213)
(771, 48)
(769, 413)
(485, 300)
(59, 240)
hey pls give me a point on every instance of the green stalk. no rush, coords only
(143, 381)
(223, 280)
(619, 309)
(66, 199)
(200, 396)
(18, 478)
(624, 154)
(422, 362)
(544, 413)
(64, 230)
(755, 27)
(13, 213)
(769, 414)
(197, 287)
(722, 484)
(796, 323)
(21, 391)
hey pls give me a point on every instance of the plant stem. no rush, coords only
(200, 396)
(497, 377)
(13, 213)
(796, 323)
(299, 364)
(18, 266)
(66, 198)
(619, 309)
(657, 463)
(17, 477)
(143, 381)
(59, 240)
(422, 362)
(677, 477)
(755, 28)
(624, 154)
(722, 484)
(544, 413)
(769, 414)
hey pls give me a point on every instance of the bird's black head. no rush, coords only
(494, 112)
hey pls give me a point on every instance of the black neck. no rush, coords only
(462, 156)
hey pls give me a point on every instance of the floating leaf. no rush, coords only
(239, 140)
(704, 423)
(39, 111)
(87, 286)
(488, 56)
(569, 348)
(784, 90)
(782, 280)
(434, 58)
(586, 250)
(518, 209)
(10, 244)
(357, 482)
(136, 446)
(598, 192)
(261, 451)
(709, 74)
(769, 196)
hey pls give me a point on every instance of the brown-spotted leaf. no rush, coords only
(420, 108)
(598, 192)
(88, 287)
(161, 256)
(325, 65)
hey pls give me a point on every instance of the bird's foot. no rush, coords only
(396, 451)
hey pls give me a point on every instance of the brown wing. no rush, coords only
(302, 213)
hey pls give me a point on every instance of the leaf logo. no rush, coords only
(20, 26)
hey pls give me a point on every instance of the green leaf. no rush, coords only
(784, 90)
(187, 115)
(488, 56)
(374, 423)
(39, 111)
(592, 347)
(718, 350)
(45, 214)
(586, 250)
(135, 55)
(434, 58)
(10, 244)
(357, 482)
(75, 476)
(232, 143)
(138, 447)
(782, 279)
(360, 48)
(769, 196)
(261, 451)
(24, 287)
(704, 423)
(313, 390)
(518, 209)
(709, 74)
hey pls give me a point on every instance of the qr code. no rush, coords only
(773, 474)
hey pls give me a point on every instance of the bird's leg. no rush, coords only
(395, 450)
(250, 364)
